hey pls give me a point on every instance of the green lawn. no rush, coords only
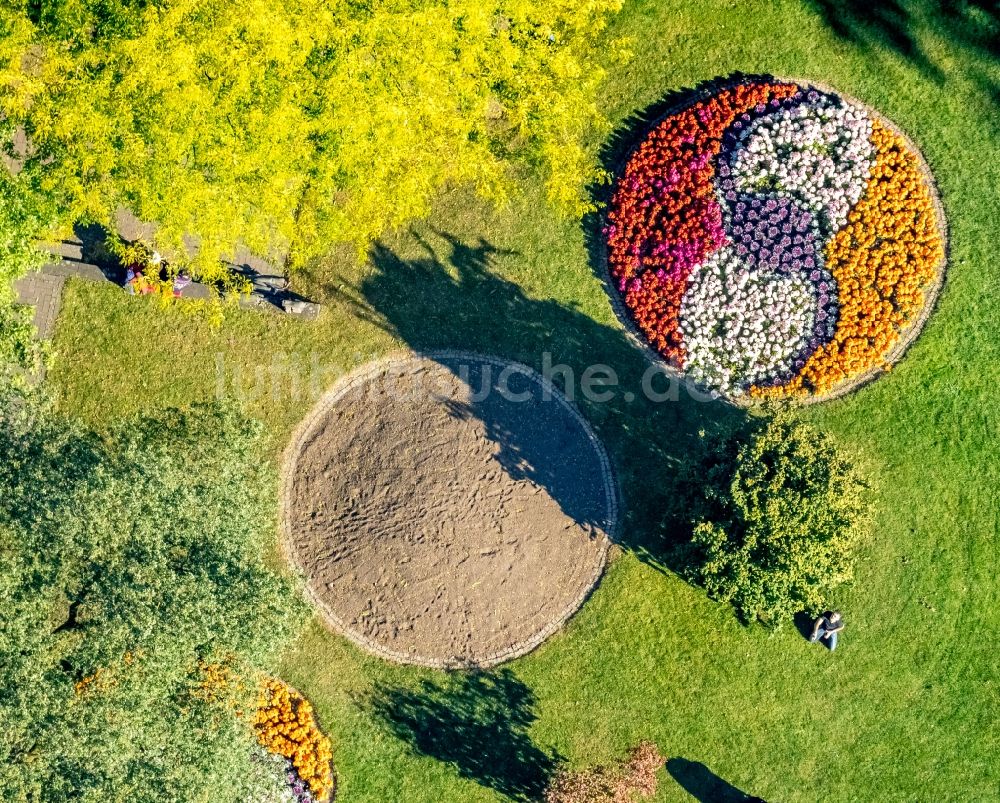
(906, 710)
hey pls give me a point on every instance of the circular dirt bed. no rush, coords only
(448, 510)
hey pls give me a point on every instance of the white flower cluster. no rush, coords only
(742, 326)
(272, 779)
(819, 153)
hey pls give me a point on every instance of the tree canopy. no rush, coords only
(22, 216)
(131, 575)
(782, 514)
(288, 126)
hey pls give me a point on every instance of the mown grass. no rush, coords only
(906, 710)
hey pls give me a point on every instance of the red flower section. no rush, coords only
(654, 302)
(664, 217)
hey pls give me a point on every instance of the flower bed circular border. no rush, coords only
(607, 528)
(905, 335)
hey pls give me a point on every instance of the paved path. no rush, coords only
(43, 291)
(85, 256)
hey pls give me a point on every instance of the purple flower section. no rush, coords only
(778, 235)
(775, 234)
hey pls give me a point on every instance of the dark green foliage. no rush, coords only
(783, 510)
(126, 563)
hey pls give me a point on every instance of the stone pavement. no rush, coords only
(43, 291)
(85, 255)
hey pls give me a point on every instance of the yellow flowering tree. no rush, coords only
(288, 126)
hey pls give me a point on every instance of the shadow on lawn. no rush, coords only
(704, 785)
(477, 723)
(449, 297)
(884, 24)
(966, 28)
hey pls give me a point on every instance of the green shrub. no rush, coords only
(21, 354)
(21, 221)
(782, 514)
(129, 562)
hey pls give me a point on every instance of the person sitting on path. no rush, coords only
(136, 281)
(827, 627)
(181, 280)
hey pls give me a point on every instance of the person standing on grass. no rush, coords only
(826, 629)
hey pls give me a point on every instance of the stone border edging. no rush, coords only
(907, 335)
(369, 371)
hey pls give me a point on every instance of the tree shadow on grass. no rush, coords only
(478, 724)
(882, 24)
(703, 784)
(966, 28)
(448, 295)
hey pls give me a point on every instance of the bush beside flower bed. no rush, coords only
(780, 513)
(773, 240)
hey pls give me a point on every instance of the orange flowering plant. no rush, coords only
(884, 260)
(286, 726)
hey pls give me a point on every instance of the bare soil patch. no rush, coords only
(447, 510)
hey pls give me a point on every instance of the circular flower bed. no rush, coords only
(773, 240)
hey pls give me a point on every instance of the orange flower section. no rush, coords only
(884, 260)
(286, 726)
